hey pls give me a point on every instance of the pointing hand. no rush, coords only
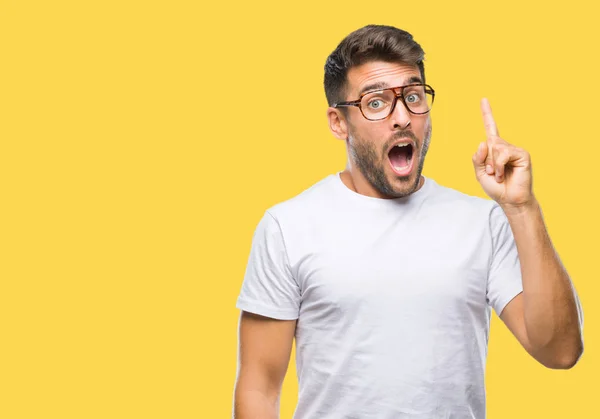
(503, 170)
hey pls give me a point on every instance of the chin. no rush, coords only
(404, 179)
(405, 184)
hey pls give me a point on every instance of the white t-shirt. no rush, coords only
(392, 297)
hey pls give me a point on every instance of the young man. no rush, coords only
(385, 278)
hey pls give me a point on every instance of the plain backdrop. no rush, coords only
(141, 142)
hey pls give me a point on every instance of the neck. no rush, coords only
(355, 181)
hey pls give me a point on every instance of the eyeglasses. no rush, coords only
(379, 104)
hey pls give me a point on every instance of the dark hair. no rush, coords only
(369, 43)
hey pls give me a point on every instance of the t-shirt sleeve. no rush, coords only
(269, 289)
(504, 277)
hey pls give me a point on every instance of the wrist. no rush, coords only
(523, 209)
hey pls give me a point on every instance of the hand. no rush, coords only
(503, 170)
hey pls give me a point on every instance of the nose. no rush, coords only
(400, 116)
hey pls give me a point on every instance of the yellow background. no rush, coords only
(141, 142)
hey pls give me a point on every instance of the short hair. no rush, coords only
(369, 43)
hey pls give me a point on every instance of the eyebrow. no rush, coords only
(382, 85)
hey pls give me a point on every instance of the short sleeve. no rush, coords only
(269, 288)
(579, 310)
(504, 275)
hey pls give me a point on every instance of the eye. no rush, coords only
(412, 98)
(376, 104)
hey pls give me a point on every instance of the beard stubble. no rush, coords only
(372, 164)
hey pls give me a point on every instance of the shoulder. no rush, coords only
(311, 200)
(457, 200)
(463, 215)
(471, 210)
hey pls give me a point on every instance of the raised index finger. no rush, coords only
(488, 120)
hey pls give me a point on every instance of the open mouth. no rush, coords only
(401, 158)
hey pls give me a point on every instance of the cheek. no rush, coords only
(426, 126)
(372, 137)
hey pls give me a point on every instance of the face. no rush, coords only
(384, 170)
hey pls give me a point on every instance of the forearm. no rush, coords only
(252, 403)
(550, 310)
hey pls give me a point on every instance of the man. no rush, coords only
(385, 278)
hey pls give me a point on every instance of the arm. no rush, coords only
(264, 350)
(545, 317)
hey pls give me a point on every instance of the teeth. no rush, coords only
(402, 145)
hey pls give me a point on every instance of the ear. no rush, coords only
(337, 123)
